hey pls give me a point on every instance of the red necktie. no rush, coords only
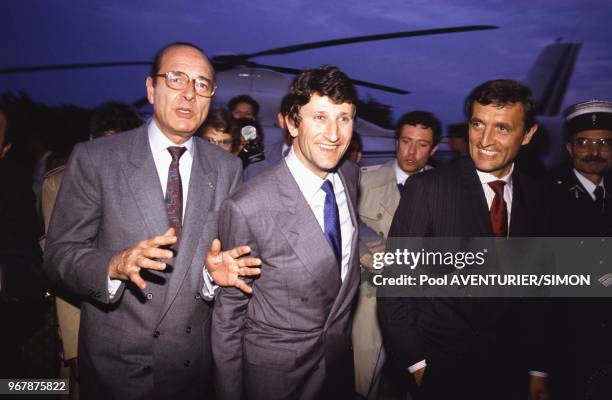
(499, 212)
(174, 192)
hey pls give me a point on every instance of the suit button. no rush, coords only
(188, 329)
(198, 296)
(187, 363)
(379, 215)
(149, 296)
(156, 334)
(148, 369)
(304, 299)
(381, 234)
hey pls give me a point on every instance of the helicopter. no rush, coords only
(238, 74)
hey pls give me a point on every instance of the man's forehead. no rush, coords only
(324, 103)
(498, 109)
(186, 57)
(419, 131)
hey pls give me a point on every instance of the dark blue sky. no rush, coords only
(439, 70)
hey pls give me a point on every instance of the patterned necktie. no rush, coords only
(499, 212)
(400, 187)
(174, 192)
(331, 220)
(599, 199)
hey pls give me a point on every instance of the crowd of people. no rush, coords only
(179, 258)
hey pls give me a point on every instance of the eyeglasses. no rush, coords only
(179, 80)
(603, 144)
(221, 142)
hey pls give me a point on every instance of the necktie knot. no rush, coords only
(498, 187)
(328, 188)
(400, 187)
(176, 152)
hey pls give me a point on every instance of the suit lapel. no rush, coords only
(475, 206)
(300, 227)
(200, 198)
(391, 196)
(519, 215)
(145, 184)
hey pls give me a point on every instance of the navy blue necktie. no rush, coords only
(400, 187)
(331, 220)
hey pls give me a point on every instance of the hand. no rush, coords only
(538, 388)
(367, 260)
(225, 267)
(418, 375)
(127, 264)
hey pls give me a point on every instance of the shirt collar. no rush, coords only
(587, 184)
(160, 143)
(486, 177)
(401, 176)
(308, 182)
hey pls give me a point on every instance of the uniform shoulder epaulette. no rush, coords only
(54, 171)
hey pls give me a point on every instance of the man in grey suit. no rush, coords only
(291, 339)
(145, 323)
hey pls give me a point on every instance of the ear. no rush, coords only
(5, 149)
(527, 137)
(433, 151)
(570, 149)
(293, 130)
(150, 90)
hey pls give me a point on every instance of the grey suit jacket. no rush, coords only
(137, 345)
(291, 339)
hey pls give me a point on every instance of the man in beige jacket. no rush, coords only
(107, 119)
(417, 135)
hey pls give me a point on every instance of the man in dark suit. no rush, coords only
(120, 239)
(582, 193)
(582, 208)
(465, 347)
(292, 338)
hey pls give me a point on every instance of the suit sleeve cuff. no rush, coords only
(415, 367)
(539, 374)
(113, 286)
(209, 288)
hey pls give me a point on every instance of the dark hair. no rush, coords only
(157, 59)
(243, 98)
(220, 119)
(327, 81)
(424, 118)
(285, 105)
(113, 116)
(501, 92)
(356, 143)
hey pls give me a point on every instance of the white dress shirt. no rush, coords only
(588, 185)
(310, 186)
(401, 176)
(159, 144)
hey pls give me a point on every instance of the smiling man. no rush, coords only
(292, 338)
(473, 348)
(133, 224)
